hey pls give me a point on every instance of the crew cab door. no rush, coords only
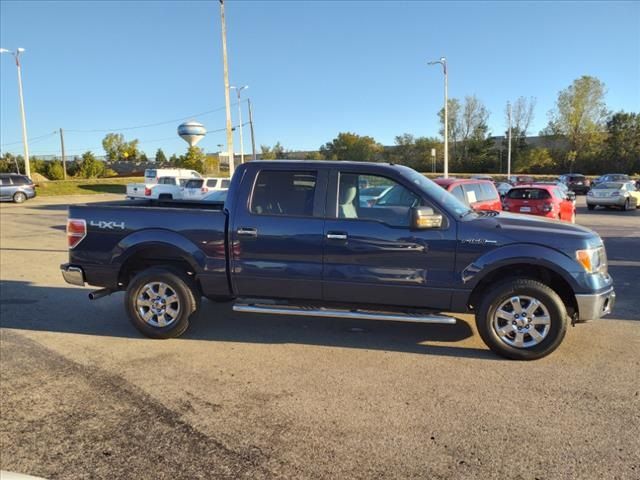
(372, 255)
(277, 233)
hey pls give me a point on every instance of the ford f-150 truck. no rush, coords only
(293, 238)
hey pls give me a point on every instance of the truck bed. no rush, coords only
(193, 231)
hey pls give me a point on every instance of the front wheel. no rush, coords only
(522, 319)
(161, 302)
(626, 205)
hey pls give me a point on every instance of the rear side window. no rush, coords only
(212, 183)
(287, 193)
(194, 184)
(20, 180)
(528, 194)
(225, 183)
(459, 194)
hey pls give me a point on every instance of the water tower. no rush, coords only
(192, 132)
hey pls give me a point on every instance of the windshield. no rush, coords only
(437, 193)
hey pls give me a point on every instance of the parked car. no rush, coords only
(570, 195)
(482, 176)
(292, 239)
(611, 177)
(198, 188)
(503, 188)
(16, 188)
(370, 195)
(216, 196)
(167, 188)
(523, 180)
(176, 177)
(576, 182)
(624, 195)
(543, 200)
(478, 194)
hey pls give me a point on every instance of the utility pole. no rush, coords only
(64, 160)
(16, 55)
(443, 62)
(253, 140)
(226, 90)
(509, 142)
(238, 91)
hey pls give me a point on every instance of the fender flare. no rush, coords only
(529, 254)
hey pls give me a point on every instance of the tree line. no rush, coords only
(582, 135)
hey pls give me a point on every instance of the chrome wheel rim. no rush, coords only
(157, 304)
(522, 321)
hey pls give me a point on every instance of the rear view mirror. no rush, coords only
(424, 217)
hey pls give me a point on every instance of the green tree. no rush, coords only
(623, 143)
(415, 152)
(537, 160)
(580, 115)
(314, 156)
(194, 159)
(142, 158)
(350, 146)
(174, 160)
(117, 149)
(55, 171)
(161, 158)
(90, 166)
(278, 152)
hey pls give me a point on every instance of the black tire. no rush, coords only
(496, 296)
(626, 205)
(19, 197)
(590, 207)
(186, 293)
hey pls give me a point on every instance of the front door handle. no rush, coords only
(336, 236)
(247, 232)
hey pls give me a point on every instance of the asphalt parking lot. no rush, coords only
(84, 395)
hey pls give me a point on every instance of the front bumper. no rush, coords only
(72, 274)
(595, 306)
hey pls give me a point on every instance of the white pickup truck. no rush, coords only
(161, 184)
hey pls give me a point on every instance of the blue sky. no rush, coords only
(314, 68)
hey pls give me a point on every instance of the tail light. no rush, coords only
(547, 207)
(147, 192)
(76, 231)
(204, 189)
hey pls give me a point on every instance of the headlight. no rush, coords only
(594, 260)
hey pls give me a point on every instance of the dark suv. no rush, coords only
(16, 188)
(576, 182)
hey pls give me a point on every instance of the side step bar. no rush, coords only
(342, 313)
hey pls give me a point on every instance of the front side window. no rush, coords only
(212, 183)
(193, 184)
(373, 197)
(5, 181)
(284, 193)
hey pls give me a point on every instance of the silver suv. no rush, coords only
(16, 188)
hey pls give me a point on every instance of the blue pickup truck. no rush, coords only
(294, 238)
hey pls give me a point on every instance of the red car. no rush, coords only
(478, 194)
(544, 200)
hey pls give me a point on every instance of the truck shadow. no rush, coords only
(25, 306)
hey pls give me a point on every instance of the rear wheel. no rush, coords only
(19, 197)
(591, 207)
(626, 205)
(522, 319)
(161, 302)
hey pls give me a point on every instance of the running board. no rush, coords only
(339, 313)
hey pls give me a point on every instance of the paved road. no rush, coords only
(83, 395)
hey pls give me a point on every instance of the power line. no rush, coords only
(102, 130)
(32, 139)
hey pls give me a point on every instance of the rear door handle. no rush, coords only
(247, 232)
(336, 236)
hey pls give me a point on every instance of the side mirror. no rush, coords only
(571, 195)
(424, 217)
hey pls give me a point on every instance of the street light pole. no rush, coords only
(238, 90)
(226, 90)
(509, 142)
(16, 54)
(443, 62)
